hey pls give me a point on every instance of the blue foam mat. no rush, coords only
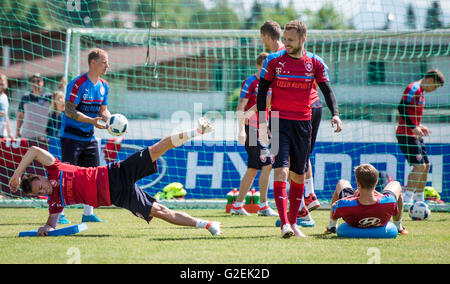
(389, 231)
(70, 230)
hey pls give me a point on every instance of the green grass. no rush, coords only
(124, 238)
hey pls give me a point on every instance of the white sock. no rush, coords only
(398, 224)
(263, 204)
(332, 223)
(302, 204)
(309, 186)
(408, 196)
(88, 210)
(419, 196)
(201, 223)
(238, 204)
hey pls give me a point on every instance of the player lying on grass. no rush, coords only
(365, 207)
(114, 184)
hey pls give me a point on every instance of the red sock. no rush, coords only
(295, 199)
(280, 195)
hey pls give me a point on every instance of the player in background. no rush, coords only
(4, 109)
(114, 184)
(365, 207)
(410, 132)
(270, 33)
(85, 108)
(291, 74)
(258, 154)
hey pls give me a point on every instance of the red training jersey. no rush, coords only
(365, 216)
(414, 98)
(77, 185)
(293, 81)
(249, 90)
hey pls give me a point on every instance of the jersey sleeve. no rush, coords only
(105, 98)
(268, 71)
(321, 74)
(72, 93)
(245, 89)
(335, 214)
(409, 93)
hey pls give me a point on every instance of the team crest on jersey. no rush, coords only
(102, 90)
(309, 66)
(54, 183)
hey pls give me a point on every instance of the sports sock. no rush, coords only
(309, 186)
(280, 195)
(88, 210)
(238, 204)
(332, 223)
(398, 224)
(295, 199)
(263, 204)
(202, 223)
(408, 196)
(419, 196)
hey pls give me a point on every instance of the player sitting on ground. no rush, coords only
(365, 207)
(114, 184)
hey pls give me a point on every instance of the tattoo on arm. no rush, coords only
(71, 110)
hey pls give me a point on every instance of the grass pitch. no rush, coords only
(124, 238)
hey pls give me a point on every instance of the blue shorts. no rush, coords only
(258, 155)
(124, 191)
(80, 153)
(294, 144)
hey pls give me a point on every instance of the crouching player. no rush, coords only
(114, 184)
(365, 207)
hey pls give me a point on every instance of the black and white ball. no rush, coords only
(117, 124)
(419, 211)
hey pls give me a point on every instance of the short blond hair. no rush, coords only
(261, 57)
(95, 54)
(366, 175)
(297, 25)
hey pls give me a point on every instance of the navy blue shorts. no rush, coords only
(125, 193)
(294, 143)
(316, 109)
(349, 191)
(413, 149)
(258, 155)
(80, 153)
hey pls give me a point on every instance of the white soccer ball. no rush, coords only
(117, 124)
(419, 211)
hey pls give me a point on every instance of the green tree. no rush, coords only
(219, 17)
(327, 18)
(433, 18)
(281, 15)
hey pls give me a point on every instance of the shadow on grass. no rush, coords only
(222, 237)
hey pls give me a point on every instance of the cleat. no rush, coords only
(214, 228)
(306, 223)
(286, 231)
(303, 213)
(311, 202)
(297, 231)
(403, 231)
(331, 230)
(267, 211)
(91, 218)
(63, 220)
(204, 126)
(238, 211)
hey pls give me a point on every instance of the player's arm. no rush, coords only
(19, 122)
(330, 100)
(50, 225)
(34, 153)
(240, 112)
(72, 112)
(104, 113)
(407, 119)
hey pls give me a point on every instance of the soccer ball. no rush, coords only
(117, 124)
(419, 211)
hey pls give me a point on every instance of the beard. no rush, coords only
(294, 50)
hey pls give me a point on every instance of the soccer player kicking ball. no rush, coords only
(365, 207)
(114, 184)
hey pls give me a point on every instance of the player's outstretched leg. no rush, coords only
(183, 219)
(178, 139)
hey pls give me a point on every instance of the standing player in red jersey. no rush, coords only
(258, 155)
(291, 74)
(410, 132)
(270, 33)
(365, 207)
(114, 184)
